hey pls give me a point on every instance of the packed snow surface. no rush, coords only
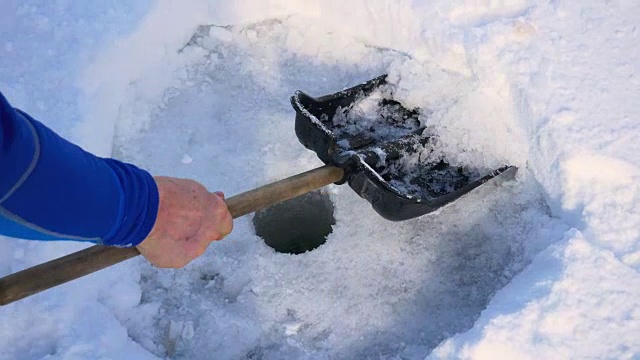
(541, 267)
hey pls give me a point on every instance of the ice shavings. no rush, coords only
(418, 168)
(397, 150)
(373, 118)
(430, 181)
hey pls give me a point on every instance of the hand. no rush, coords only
(189, 219)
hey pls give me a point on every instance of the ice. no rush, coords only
(396, 144)
(374, 117)
(186, 159)
(545, 266)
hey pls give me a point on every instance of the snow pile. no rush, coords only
(544, 266)
(572, 94)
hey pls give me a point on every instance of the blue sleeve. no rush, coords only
(51, 189)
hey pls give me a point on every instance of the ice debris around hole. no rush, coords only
(186, 159)
(292, 328)
(177, 331)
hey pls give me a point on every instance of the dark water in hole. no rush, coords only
(297, 225)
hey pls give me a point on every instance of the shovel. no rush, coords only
(366, 139)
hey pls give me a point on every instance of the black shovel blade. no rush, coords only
(388, 157)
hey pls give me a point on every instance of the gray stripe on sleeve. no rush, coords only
(34, 162)
(17, 219)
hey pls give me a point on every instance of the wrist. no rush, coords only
(139, 205)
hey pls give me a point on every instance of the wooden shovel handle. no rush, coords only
(59, 271)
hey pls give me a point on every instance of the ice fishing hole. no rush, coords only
(297, 225)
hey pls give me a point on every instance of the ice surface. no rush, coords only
(542, 267)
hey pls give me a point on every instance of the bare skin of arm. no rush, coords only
(189, 219)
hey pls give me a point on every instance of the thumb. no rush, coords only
(220, 193)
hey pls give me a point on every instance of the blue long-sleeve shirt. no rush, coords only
(51, 189)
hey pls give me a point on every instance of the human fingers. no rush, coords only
(219, 222)
(189, 218)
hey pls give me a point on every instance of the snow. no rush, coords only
(553, 313)
(378, 121)
(544, 266)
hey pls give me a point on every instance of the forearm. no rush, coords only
(51, 189)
